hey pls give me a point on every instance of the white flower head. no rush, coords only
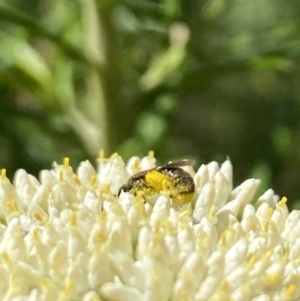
(77, 236)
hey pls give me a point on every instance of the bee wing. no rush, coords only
(181, 163)
(140, 174)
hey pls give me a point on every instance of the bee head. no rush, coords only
(127, 187)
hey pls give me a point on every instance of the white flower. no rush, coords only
(68, 236)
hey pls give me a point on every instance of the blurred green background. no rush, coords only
(200, 79)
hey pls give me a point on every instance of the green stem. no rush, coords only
(103, 100)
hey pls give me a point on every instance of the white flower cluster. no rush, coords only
(69, 237)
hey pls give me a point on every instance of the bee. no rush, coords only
(170, 177)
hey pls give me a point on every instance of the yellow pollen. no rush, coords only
(224, 286)
(285, 257)
(139, 206)
(164, 185)
(73, 219)
(14, 205)
(101, 237)
(252, 260)
(36, 236)
(76, 180)
(223, 239)
(156, 274)
(106, 188)
(151, 154)
(44, 283)
(182, 295)
(212, 213)
(270, 211)
(101, 154)
(37, 216)
(282, 202)
(7, 206)
(11, 206)
(157, 180)
(160, 227)
(6, 257)
(269, 253)
(93, 180)
(169, 229)
(272, 277)
(102, 216)
(290, 291)
(67, 289)
(136, 163)
(186, 276)
(66, 161)
(3, 173)
(185, 213)
(113, 156)
(265, 226)
(156, 239)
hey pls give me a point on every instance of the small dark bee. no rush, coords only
(170, 177)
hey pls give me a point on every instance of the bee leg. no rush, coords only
(140, 195)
